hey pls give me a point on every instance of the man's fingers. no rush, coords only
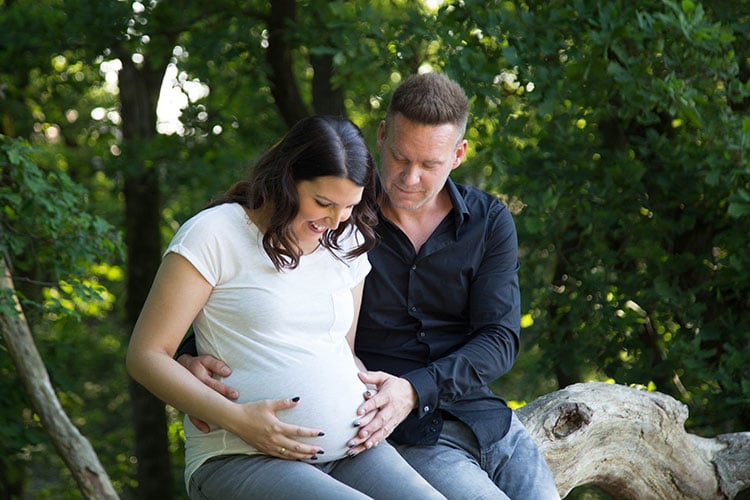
(372, 404)
(222, 388)
(215, 366)
(374, 378)
(200, 424)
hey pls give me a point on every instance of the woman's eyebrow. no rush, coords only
(320, 197)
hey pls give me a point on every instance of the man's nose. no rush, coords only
(410, 174)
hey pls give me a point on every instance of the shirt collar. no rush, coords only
(460, 209)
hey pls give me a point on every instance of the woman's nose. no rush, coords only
(337, 216)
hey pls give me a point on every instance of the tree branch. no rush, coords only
(633, 445)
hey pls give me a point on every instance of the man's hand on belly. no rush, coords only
(394, 399)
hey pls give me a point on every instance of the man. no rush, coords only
(441, 310)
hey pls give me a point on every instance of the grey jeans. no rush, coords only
(511, 468)
(379, 473)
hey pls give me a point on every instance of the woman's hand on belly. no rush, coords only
(256, 423)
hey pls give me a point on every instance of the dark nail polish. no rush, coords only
(321, 452)
(356, 424)
(313, 457)
(321, 434)
(295, 399)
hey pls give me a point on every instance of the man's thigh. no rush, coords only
(511, 468)
(518, 467)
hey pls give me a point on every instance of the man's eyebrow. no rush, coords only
(396, 152)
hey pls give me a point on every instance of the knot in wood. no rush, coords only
(571, 417)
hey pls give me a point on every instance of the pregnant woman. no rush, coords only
(270, 276)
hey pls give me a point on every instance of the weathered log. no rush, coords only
(75, 450)
(632, 444)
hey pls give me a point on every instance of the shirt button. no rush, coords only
(426, 408)
(414, 267)
(422, 334)
(435, 421)
(433, 429)
(412, 308)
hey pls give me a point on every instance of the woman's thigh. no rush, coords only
(381, 472)
(236, 477)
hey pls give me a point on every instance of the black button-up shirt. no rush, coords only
(447, 319)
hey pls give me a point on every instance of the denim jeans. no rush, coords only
(511, 468)
(375, 473)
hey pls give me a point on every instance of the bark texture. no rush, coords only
(633, 445)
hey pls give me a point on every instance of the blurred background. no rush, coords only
(617, 132)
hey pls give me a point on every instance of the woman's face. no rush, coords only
(324, 202)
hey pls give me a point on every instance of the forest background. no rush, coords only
(617, 132)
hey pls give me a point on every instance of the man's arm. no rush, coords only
(204, 368)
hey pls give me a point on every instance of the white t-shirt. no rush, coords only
(282, 333)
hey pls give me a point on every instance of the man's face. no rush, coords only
(416, 160)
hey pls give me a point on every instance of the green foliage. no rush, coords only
(616, 131)
(630, 163)
(47, 233)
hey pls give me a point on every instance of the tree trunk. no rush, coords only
(139, 92)
(279, 57)
(633, 445)
(327, 99)
(74, 449)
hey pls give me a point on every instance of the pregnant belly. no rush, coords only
(329, 398)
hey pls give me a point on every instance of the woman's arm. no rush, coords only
(177, 295)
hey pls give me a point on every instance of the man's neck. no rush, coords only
(419, 224)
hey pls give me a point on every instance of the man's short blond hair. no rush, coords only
(431, 99)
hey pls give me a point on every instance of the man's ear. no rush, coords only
(381, 133)
(460, 153)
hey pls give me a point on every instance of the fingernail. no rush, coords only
(350, 445)
(351, 454)
(321, 433)
(356, 424)
(295, 399)
(313, 457)
(321, 452)
(368, 393)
